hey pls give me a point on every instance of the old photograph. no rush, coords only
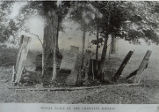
(79, 52)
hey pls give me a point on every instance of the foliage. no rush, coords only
(142, 22)
(84, 13)
(42, 8)
(128, 20)
(5, 23)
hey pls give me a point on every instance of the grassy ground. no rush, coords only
(148, 92)
(7, 56)
(109, 94)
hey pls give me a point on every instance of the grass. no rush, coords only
(117, 95)
(7, 56)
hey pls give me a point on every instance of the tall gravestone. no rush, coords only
(71, 62)
(21, 57)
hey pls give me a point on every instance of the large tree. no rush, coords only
(53, 12)
(112, 19)
(84, 13)
(126, 20)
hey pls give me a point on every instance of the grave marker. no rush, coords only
(21, 57)
(142, 66)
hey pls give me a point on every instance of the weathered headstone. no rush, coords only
(22, 56)
(85, 75)
(132, 74)
(74, 49)
(68, 61)
(142, 66)
(122, 66)
(73, 64)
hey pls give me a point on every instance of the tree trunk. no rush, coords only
(58, 28)
(55, 52)
(82, 72)
(113, 45)
(103, 57)
(54, 61)
(104, 51)
(49, 43)
(83, 44)
(97, 36)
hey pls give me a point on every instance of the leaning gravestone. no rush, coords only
(142, 66)
(21, 57)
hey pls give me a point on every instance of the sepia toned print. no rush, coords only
(79, 52)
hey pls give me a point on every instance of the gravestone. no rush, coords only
(22, 57)
(70, 62)
(74, 49)
(122, 66)
(142, 66)
(74, 75)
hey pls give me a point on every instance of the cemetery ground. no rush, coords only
(147, 92)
